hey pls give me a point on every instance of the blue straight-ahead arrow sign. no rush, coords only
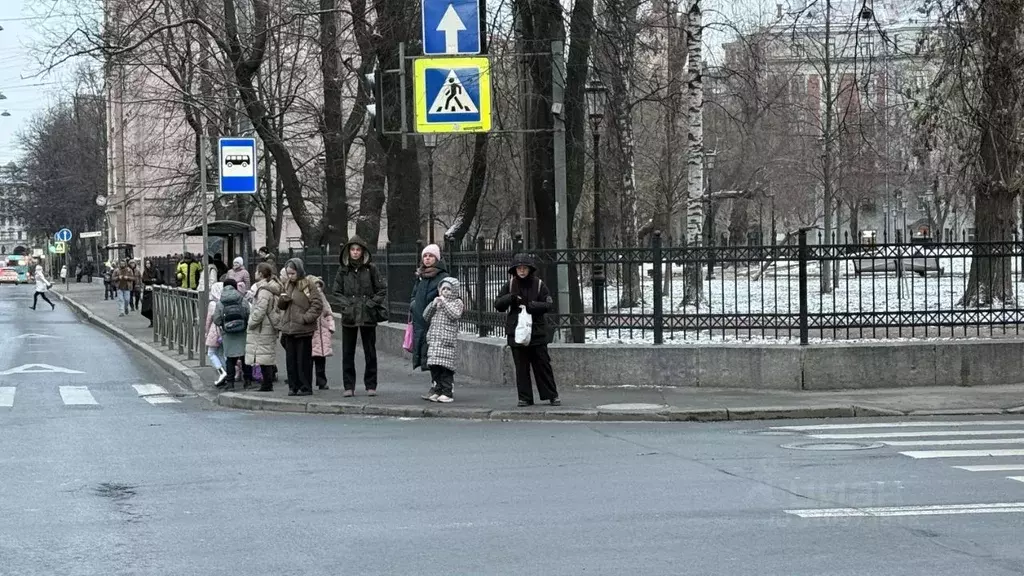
(451, 26)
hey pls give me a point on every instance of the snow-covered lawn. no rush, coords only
(760, 305)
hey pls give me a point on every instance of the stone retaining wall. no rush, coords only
(819, 367)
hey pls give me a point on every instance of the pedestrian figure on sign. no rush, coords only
(443, 314)
(526, 290)
(42, 285)
(454, 91)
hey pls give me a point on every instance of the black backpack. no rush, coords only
(235, 318)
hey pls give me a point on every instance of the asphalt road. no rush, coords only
(126, 486)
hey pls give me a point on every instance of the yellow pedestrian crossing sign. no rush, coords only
(60, 248)
(453, 94)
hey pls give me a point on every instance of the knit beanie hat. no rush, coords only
(432, 249)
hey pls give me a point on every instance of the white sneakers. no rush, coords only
(438, 398)
(222, 375)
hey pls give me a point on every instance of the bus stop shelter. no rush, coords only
(237, 237)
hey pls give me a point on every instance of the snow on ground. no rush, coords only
(752, 295)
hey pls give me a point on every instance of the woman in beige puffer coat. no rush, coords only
(262, 333)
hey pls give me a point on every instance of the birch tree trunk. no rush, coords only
(693, 285)
(621, 25)
(674, 116)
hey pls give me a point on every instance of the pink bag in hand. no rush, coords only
(407, 342)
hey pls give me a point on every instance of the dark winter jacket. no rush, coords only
(530, 292)
(300, 304)
(359, 290)
(423, 292)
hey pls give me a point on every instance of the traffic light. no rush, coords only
(375, 106)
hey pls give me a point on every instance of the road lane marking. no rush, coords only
(924, 454)
(1017, 478)
(992, 468)
(918, 434)
(971, 442)
(926, 510)
(7, 396)
(39, 369)
(154, 394)
(77, 396)
(871, 425)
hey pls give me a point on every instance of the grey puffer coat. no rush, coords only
(443, 314)
(261, 338)
(233, 342)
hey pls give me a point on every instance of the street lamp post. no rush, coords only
(430, 142)
(709, 166)
(597, 98)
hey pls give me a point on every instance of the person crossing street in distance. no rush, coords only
(525, 290)
(443, 314)
(361, 293)
(42, 285)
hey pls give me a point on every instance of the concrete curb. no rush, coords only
(187, 379)
(248, 401)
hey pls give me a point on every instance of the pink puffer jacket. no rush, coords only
(322, 346)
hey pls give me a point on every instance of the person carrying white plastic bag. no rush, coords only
(526, 299)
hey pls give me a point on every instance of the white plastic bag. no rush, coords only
(524, 327)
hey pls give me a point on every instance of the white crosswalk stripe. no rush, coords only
(77, 396)
(972, 446)
(154, 394)
(82, 396)
(7, 396)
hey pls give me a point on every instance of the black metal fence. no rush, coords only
(801, 292)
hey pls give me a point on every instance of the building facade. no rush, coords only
(849, 71)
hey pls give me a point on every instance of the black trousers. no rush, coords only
(320, 366)
(35, 299)
(368, 335)
(246, 369)
(136, 298)
(298, 353)
(444, 381)
(537, 358)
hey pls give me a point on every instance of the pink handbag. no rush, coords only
(407, 342)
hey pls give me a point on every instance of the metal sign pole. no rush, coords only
(205, 294)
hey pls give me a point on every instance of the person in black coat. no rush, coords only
(524, 288)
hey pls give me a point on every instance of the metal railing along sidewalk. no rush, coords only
(177, 322)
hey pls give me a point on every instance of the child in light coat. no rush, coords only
(443, 314)
(214, 345)
(322, 347)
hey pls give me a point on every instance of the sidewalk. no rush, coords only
(400, 388)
